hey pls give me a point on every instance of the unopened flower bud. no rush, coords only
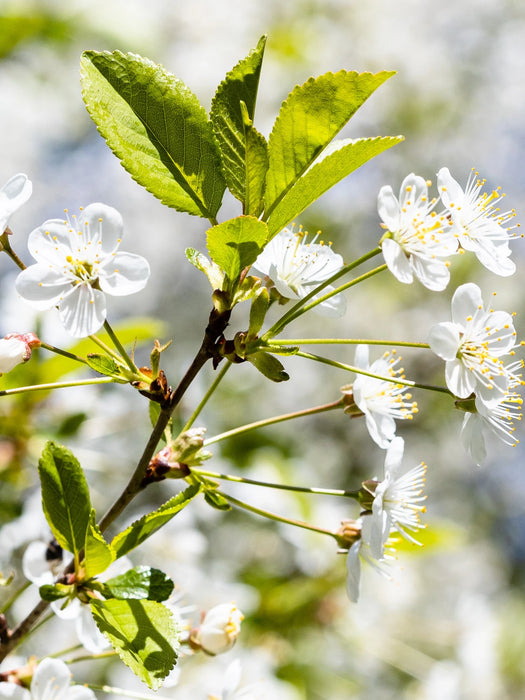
(348, 533)
(15, 348)
(219, 629)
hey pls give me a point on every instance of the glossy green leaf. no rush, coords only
(309, 119)
(98, 554)
(156, 127)
(256, 169)
(55, 592)
(215, 500)
(143, 633)
(103, 364)
(65, 496)
(338, 160)
(240, 85)
(269, 366)
(143, 528)
(258, 311)
(236, 243)
(140, 583)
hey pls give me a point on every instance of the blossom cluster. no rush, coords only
(419, 240)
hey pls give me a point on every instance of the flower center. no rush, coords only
(82, 270)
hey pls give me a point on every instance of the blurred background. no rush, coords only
(452, 626)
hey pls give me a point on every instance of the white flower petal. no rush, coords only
(449, 188)
(433, 274)
(125, 273)
(104, 224)
(14, 692)
(79, 692)
(83, 311)
(444, 340)
(353, 572)
(467, 300)
(34, 565)
(335, 307)
(413, 191)
(381, 427)
(362, 356)
(13, 352)
(13, 195)
(397, 261)
(394, 456)
(500, 265)
(88, 633)
(388, 208)
(460, 380)
(472, 437)
(41, 286)
(52, 242)
(51, 680)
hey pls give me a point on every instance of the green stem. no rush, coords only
(274, 516)
(206, 396)
(64, 353)
(338, 290)
(347, 341)
(284, 487)
(56, 385)
(105, 347)
(116, 342)
(271, 421)
(91, 657)
(357, 370)
(63, 652)
(285, 319)
(14, 597)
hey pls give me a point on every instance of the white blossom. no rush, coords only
(296, 267)
(13, 195)
(361, 551)
(473, 346)
(77, 264)
(418, 240)
(498, 419)
(397, 500)
(219, 629)
(51, 681)
(478, 222)
(380, 400)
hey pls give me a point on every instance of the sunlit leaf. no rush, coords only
(156, 127)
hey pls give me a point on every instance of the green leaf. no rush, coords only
(339, 160)
(236, 243)
(143, 633)
(269, 366)
(309, 119)
(103, 365)
(258, 311)
(65, 496)
(139, 583)
(55, 592)
(256, 169)
(215, 500)
(156, 127)
(240, 85)
(143, 528)
(210, 269)
(98, 554)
